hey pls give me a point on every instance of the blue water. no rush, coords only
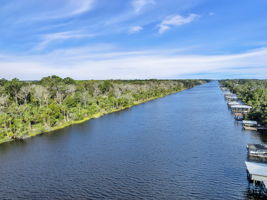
(183, 146)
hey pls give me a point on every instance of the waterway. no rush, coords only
(183, 146)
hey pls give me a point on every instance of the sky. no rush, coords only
(133, 39)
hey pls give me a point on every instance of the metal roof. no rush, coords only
(257, 146)
(259, 169)
(234, 103)
(241, 106)
(249, 122)
(231, 96)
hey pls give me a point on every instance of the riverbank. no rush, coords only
(120, 156)
(94, 116)
(252, 93)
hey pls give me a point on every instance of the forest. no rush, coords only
(28, 108)
(253, 93)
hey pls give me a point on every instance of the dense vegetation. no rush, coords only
(253, 93)
(31, 107)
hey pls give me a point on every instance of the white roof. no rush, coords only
(231, 96)
(234, 103)
(249, 122)
(241, 106)
(259, 169)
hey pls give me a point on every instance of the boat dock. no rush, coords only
(256, 163)
(250, 125)
(239, 116)
(257, 175)
(241, 108)
(257, 150)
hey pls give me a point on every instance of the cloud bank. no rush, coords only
(88, 64)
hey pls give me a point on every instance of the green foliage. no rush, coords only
(32, 107)
(105, 86)
(253, 93)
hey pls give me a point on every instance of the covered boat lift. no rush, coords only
(224, 88)
(257, 174)
(227, 92)
(250, 125)
(231, 97)
(257, 150)
(239, 116)
(241, 108)
(233, 103)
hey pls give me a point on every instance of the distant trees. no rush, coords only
(29, 107)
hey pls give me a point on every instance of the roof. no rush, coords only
(241, 106)
(231, 96)
(234, 103)
(227, 93)
(249, 122)
(257, 147)
(254, 168)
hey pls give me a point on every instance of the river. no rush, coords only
(183, 146)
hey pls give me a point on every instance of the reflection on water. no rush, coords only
(183, 146)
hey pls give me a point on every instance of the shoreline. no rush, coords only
(95, 116)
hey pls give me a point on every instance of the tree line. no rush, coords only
(254, 93)
(31, 107)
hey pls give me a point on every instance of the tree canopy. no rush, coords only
(253, 93)
(31, 107)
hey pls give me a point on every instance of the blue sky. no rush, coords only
(129, 39)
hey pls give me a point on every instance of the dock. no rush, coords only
(239, 116)
(256, 163)
(250, 125)
(241, 108)
(257, 150)
(232, 103)
(257, 175)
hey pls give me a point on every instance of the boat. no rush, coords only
(250, 125)
(239, 116)
(257, 150)
(250, 128)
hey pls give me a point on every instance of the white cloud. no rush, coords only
(42, 11)
(138, 5)
(49, 38)
(135, 29)
(71, 8)
(86, 64)
(211, 13)
(81, 6)
(176, 20)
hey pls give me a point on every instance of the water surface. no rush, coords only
(183, 146)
